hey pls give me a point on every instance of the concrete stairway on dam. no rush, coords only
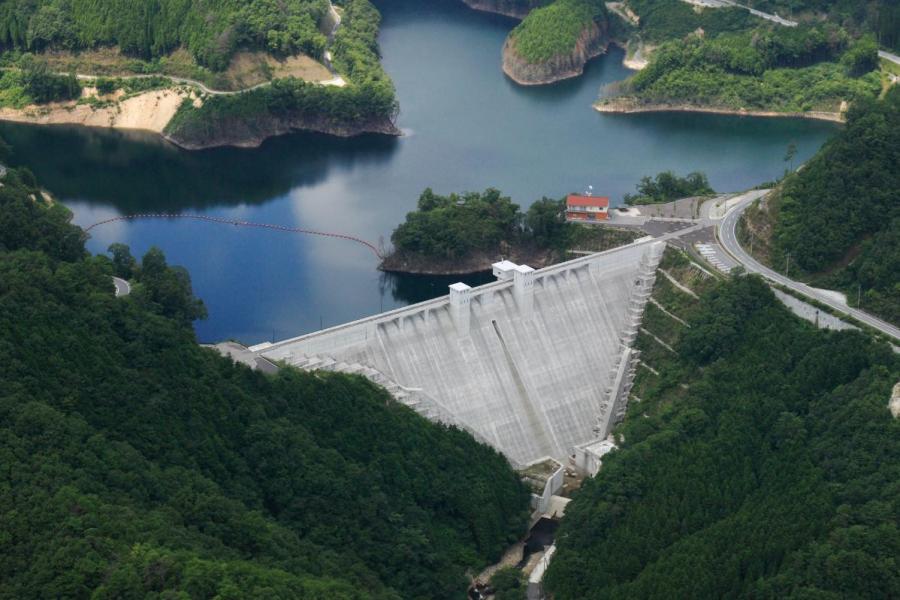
(621, 375)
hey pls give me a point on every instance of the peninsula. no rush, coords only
(465, 233)
(228, 75)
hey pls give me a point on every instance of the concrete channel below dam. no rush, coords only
(534, 364)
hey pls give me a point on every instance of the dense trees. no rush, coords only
(668, 186)
(842, 210)
(774, 68)
(881, 17)
(210, 30)
(454, 225)
(763, 463)
(553, 30)
(138, 464)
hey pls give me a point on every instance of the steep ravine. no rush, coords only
(592, 42)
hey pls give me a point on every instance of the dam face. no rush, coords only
(534, 364)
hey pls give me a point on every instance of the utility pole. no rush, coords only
(787, 266)
(858, 295)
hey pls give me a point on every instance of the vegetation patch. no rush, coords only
(553, 30)
(809, 68)
(211, 31)
(667, 186)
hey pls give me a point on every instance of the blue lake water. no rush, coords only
(467, 128)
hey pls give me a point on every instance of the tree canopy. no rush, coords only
(667, 186)
(211, 30)
(839, 216)
(762, 463)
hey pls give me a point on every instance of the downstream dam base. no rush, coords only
(534, 364)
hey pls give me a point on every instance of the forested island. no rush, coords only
(466, 233)
(140, 464)
(836, 222)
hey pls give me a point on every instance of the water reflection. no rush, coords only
(135, 171)
(409, 289)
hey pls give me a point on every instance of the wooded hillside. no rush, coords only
(138, 464)
(211, 30)
(836, 222)
(760, 461)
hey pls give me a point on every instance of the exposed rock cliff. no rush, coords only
(591, 42)
(511, 8)
(250, 133)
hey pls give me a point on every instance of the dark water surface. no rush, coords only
(467, 128)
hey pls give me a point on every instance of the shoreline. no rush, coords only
(153, 110)
(556, 78)
(834, 117)
(148, 111)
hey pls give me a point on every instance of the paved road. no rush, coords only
(728, 239)
(888, 56)
(123, 288)
(733, 4)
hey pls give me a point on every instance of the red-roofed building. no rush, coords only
(587, 208)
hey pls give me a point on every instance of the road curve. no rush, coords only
(123, 288)
(727, 233)
(888, 56)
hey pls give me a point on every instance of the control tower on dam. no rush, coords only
(534, 364)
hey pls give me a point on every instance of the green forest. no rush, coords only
(667, 186)
(139, 464)
(664, 20)
(553, 30)
(838, 219)
(800, 69)
(210, 30)
(759, 461)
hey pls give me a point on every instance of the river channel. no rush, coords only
(466, 127)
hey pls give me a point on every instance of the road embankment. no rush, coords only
(149, 111)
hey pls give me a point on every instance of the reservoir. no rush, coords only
(466, 127)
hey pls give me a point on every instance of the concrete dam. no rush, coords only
(535, 364)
